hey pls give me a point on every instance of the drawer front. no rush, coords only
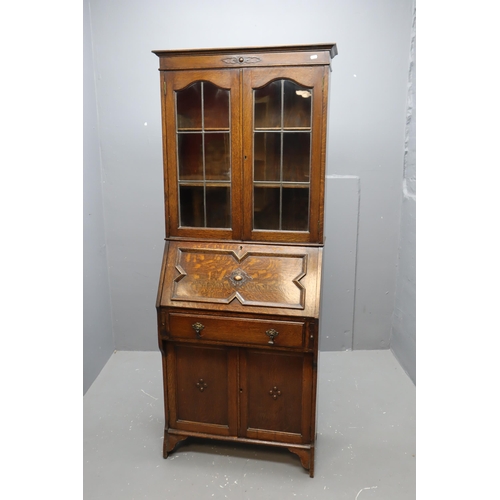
(237, 330)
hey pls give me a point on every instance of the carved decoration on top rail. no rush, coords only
(240, 60)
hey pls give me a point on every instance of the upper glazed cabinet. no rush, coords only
(244, 143)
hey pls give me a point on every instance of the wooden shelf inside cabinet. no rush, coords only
(244, 134)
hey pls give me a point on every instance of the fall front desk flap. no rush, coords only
(239, 277)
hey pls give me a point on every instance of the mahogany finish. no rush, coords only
(244, 137)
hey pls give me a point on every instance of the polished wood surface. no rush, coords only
(238, 303)
(274, 385)
(203, 389)
(236, 330)
(199, 274)
(240, 85)
(293, 55)
(253, 277)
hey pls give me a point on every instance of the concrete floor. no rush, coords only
(365, 448)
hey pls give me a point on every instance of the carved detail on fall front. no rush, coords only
(238, 277)
(218, 276)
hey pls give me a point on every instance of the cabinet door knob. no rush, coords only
(198, 327)
(272, 334)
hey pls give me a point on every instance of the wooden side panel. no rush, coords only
(162, 275)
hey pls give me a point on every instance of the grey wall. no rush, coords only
(403, 339)
(367, 118)
(97, 327)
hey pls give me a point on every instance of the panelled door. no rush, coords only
(276, 396)
(202, 390)
(253, 393)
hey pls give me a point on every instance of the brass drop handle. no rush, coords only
(237, 278)
(272, 334)
(198, 327)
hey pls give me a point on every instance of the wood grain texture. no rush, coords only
(202, 396)
(304, 452)
(207, 275)
(170, 442)
(306, 458)
(241, 84)
(272, 396)
(236, 330)
(237, 307)
(311, 78)
(293, 55)
(283, 279)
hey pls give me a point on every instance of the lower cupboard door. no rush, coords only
(276, 396)
(202, 389)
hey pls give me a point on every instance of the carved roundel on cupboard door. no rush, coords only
(220, 276)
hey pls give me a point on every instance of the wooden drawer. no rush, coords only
(237, 330)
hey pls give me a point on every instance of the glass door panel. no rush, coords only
(296, 156)
(217, 156)
(296, 105)
(191, 199)
(215, 107)
(295, 209)
(266, 208)
(218, 201)
(190, 152)
(189, 108)
(281, 156)
(203, 125)
(267, 106)
(267, 148)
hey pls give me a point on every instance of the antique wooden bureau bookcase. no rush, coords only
(244, 143)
